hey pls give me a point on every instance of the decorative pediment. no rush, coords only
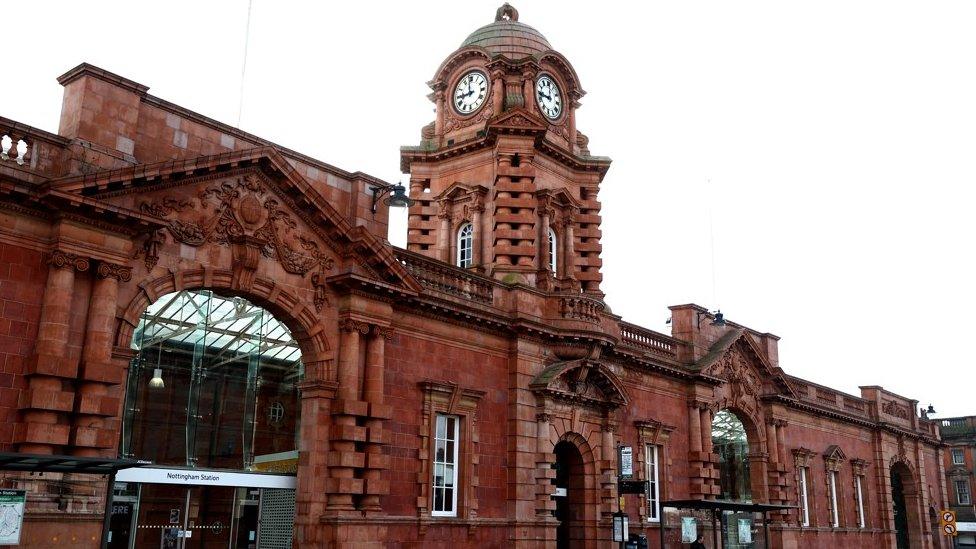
(518, 121)
(583, 381)
(252, 202)
(738, 360)
(834, 457)
(459, 201)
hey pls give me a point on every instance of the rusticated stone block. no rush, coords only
(380, 411)
(346, 407)
(98, 405)
(41, 433)
(45, 399)
(346, 459)
(93, 437)
(55, 366)
(344, 485)
(377, 461)
(377, 486)
(106, 372)
(353, 433)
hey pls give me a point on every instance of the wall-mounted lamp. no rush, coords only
(398, 198)
(719, 319)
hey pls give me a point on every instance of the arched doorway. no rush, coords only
(570, 496)
(731, 443)
(212, 400)
(903, 496)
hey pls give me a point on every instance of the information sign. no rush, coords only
(689, 530)
(11, 515)
(626, 460)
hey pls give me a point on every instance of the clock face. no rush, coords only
(548, 97)
(470, 92)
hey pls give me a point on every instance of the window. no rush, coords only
(653, 488)
(962, 492)
(445, 465)
(804, 509)
(552, 250)
(958, 458)
(834, 511)
(860, 501)
(465, 245)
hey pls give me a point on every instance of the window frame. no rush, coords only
(455, 464)
(832, 493)
(465, 243)
(553, 251)
(969, 496)
(859, 496)
(962, 456)
(804, 497)
(653, 477)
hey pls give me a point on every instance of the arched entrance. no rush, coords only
(731, 443)
(904, 506)
(212, 400)
(571, 496)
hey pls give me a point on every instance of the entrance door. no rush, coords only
(899, 509)
(571, 504)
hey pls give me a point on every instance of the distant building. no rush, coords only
(176, 290)
(959, 436)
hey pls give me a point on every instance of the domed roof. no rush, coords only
(508, 37)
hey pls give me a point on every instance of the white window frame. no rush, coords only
(804, 502)
(465, 245)
(961, 454)
(860, 501)
(652, 462)
(453, 464)
(959, 493)
(552, 250)
(834, 511)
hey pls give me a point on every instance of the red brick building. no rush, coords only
(176, 290)
(959, 436)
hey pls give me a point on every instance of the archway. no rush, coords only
(571, 495)
(905, 508)
(213, 388)
(731, 442)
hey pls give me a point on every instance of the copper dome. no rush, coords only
(506, 36)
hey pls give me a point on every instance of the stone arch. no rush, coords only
(588, 505)
(902, 473)
(305, 325)
(752, 423)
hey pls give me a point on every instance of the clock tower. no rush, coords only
(503, 182)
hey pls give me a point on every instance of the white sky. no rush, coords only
(838, 136)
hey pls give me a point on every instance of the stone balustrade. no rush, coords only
(441, 277)
(646, 340)
(31, 148)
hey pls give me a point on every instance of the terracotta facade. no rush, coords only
(135, 198)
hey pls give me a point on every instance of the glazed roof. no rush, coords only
(508, 37)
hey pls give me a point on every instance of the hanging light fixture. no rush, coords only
(156, 383)
(398, 198)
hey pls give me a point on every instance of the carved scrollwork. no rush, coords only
(350, 325)
(65, 260)
(895, 409)
(150, 249)
(111, 270)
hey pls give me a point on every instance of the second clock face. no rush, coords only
(470, 92)
(548, 97)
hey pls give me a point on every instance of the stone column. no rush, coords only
(706, 429)
(45, 400)
(90, 433)
(569, 249)
(444, 235)
(781, 439)
(479, 234)
(694, 429)
(497, 91)
(545, 474)
(772, 443)
(343, 459)
(373, 391)
(439, 118)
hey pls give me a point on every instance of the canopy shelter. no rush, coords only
(36, 463)
(717, 506)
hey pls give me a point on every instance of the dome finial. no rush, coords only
(506, 13)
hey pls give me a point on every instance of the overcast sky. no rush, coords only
(829, 144)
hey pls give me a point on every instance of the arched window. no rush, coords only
(465, 245)
(730, 442)
(552, 250)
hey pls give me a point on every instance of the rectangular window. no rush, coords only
(653, 488)
(962, 492)
(958, 458)
(804, 509)
(860, 501)
(446, 434)
(834, 511)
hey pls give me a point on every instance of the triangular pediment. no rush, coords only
(517, 121)
(252, 198)
(738, 359)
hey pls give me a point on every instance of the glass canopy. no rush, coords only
(214, 384)
(730, 442)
